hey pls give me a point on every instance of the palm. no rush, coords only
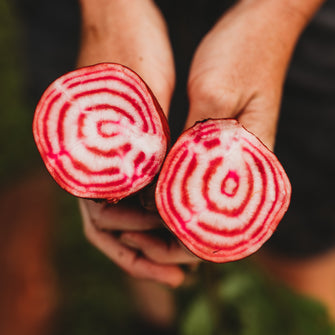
(238, 71)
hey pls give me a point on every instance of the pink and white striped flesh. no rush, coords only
(221, 191)
(101, 132)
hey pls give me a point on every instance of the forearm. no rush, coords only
(132, 33)
(272, 26)
(300, 11)
(240, 66)
(101, 17)
(120, 24)
(284, 20)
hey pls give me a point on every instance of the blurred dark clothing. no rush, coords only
(306, 134)
(305, 141)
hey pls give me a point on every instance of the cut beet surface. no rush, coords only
(101, 132)
(221, 191)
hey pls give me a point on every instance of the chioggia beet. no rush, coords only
(100, 132)
(102, 135)
(221, 191)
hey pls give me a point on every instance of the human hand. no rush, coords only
(135, 240)
(133, 237)
(239, 67)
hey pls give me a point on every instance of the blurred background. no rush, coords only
(51, 280)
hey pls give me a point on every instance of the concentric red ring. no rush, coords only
(221, 191)
(92, 125)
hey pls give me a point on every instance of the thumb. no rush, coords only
(209, 101)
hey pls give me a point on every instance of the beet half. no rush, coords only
(221, 191)
(101, 132)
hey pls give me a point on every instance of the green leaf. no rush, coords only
(198, 320)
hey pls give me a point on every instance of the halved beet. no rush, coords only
(221, 191)
(101, 132)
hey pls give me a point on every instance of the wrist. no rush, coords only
(102, 15)
(295, 12)
(275, 25)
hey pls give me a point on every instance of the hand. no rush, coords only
(239, 68)
(134, 238)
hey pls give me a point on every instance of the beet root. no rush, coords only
(102, 135)
(221, 191)
(101, 132)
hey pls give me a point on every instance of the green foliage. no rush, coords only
(240, 300)
(199, 319)
(16, 143)
(94, 298)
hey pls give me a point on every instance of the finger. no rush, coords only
(211, 97)
(260, 118)
(158, 249)
(123, 216)
(129, 259)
